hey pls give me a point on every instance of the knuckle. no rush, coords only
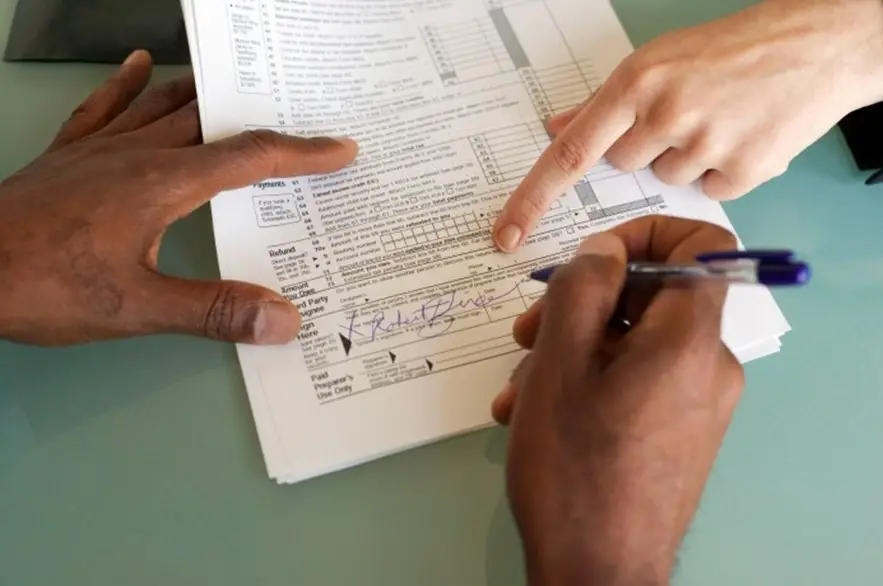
(701, 235)
(662, 120)
(526, 209)
(667, 169)
(719, 237)
(780, 169)
(741, 169)
(625, 159)
(718, 186)
(747, 171)
(769, 168)
(175, 91)
(569, 155)
(219, 318)
(674, 111)
(678, 167)
(737, 176)
(642, 76)
(184, 122)
(705, 147)
(91, 107)
(160, 97)
(169, 92)
(189, 112)
(585, 277)
(260, 138)
(81, 109)
(262, 146)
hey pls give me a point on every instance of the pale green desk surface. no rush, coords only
(137, 462)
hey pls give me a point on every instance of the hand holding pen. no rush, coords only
(595, 411)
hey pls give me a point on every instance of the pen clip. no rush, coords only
(763, 257)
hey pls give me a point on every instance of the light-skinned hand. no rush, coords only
(729, 103)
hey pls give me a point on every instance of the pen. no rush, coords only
(770, 268)
(875, 178)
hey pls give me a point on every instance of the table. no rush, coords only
(137, 462)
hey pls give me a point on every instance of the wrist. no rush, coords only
(592, 556)
(590, 569)
(624, 540)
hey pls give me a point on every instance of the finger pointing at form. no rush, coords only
(576, 150)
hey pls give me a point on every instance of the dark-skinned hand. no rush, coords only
(81, 226)
(614, 431)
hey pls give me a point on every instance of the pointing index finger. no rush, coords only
(573, 152)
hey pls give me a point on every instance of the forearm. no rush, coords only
(6, 282)
(851, 32)
(7, 285)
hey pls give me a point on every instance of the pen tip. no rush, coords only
(542, 275)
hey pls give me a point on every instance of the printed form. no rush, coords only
(407, 307)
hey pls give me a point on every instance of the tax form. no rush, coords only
(407, 307)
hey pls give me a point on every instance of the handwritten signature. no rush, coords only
(433, 318)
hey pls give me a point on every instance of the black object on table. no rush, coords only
(97, 31)
(863, 130)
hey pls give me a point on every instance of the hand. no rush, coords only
(613, 433)
(81, 226)
(729, 103)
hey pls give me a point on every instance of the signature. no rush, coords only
(433, 318)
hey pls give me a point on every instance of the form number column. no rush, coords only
(245, 20)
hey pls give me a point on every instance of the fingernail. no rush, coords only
(601, 244)
(276, 323)
(509, 237)
(133, 56)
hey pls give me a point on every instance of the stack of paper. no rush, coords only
(407, 307)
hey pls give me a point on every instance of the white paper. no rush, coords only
(407, 307)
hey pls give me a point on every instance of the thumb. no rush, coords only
(231, 311)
